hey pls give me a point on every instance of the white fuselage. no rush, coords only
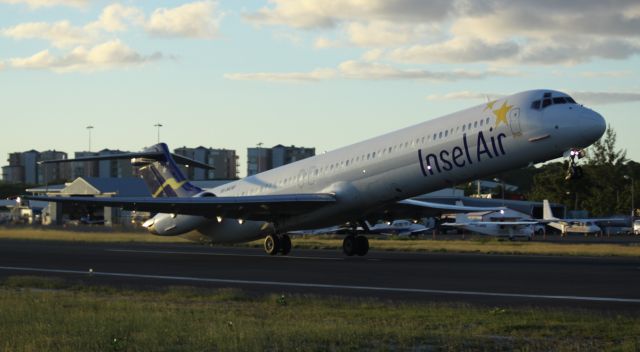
(463, 146)
(580, 226)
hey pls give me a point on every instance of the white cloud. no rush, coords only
(612, 74)
(387, 33)
(323, 14)
(542, 32)
(60, 34)
(464, 95)
(48, 3)
(193, 20)
(582, 97)
(323, 43)
(115, 17)
(315, 75)
(604, 98)
(457, 50)
(362, 70)
(108, 55)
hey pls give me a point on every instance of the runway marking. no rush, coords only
(218, 254)
(330, 286)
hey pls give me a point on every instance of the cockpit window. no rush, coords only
(549, 100)
(535, 105)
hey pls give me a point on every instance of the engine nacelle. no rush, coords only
(176, 224)
(173, 224)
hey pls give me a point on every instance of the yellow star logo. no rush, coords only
(489, 105)
(501, 113)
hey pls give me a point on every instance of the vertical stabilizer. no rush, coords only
(547, 214)
(162, 175)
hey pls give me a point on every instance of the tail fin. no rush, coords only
(162, 175)
(547, 214)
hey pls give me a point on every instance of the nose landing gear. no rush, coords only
(574, 171)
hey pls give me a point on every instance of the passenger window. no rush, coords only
(464, 128)
(481, 122)
(469, 126)
(487, 120)
(546, 103)
(435, 136)
(446, 133)
(475, 124)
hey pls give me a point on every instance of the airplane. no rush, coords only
(399, 228)
(566, 226)
(510, 229)
(368, 180)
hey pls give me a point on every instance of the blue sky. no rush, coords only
(231, 74)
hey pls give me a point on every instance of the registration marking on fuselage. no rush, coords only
(325, 286)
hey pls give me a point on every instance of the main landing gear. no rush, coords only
(274, 244)
(574, 171)
(352, 245)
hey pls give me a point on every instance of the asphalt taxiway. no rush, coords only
(587, 282)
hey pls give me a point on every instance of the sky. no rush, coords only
(232, 74)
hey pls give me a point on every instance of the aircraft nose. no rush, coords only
(593, 124)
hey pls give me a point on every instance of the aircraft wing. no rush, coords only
(446, 207)
(415, 209)
(259, 208)
(505, 223)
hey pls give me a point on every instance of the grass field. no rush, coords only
(49, 314)
(85, 235)
(473, 245)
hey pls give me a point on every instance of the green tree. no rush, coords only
(604, 152)
(603, 190)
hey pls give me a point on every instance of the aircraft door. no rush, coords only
(514, 121)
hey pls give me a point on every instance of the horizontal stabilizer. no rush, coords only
(149, 155)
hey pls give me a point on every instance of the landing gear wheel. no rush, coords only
(285, 244)
(271, 244)
(362, 245)
(349, 245)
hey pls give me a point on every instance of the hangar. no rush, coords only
(58, 214)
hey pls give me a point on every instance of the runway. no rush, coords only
(585, 282)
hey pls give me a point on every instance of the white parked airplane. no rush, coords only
(364, 181)
(399, 228)
(510, 229)
(566, 226)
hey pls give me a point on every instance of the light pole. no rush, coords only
(633, 208)
(158, 125)
(502, 186)
(89, 128)
(258, 156)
